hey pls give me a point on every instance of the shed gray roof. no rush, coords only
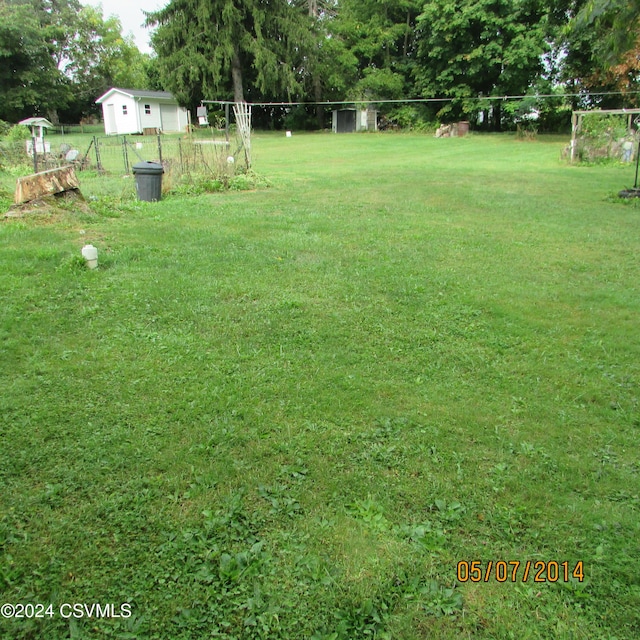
(139, 93)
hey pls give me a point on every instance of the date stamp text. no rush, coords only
(517, 571)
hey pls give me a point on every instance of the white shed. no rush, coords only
(134, 111)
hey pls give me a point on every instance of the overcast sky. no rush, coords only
(131, 17)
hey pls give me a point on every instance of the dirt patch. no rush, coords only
(52, 207)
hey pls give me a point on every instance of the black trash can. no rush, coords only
(148, 180)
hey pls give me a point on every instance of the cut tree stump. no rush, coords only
(46, 183)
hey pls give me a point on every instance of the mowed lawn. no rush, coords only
(304, 411)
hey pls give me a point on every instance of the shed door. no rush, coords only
(110, 120)
(346, 121)
(169, 117)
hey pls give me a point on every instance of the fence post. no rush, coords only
(160, 148)
(35, 154)
(125, 154)
(86, 155)
(180, 154)
(98, 161)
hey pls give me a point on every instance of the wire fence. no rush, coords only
(115, 155)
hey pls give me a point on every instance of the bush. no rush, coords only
(605, 127)
(409, 118)
(300, 118)
(18, 132)
(601, 137)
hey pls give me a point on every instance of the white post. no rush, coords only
(574, 133)
(242, 112)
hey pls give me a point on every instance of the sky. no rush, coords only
(131, 17)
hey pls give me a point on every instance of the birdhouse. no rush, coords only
(38, 126)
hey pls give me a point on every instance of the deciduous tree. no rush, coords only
(57, 57)
(473, 47)
(30, 81)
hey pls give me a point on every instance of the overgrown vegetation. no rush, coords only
(291, 412)
(602, 137)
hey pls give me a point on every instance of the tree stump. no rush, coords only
(45, 183)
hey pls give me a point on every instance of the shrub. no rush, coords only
(18, 132)
(409, 118)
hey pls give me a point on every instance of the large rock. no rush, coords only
(45, 183)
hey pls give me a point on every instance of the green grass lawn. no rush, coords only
(292, 412)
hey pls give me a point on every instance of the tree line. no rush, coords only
(57, 57)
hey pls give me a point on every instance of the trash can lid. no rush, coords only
(148, 167)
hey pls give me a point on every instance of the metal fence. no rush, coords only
(118, 154)
(185, 155)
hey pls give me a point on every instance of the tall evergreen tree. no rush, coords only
(231, 48)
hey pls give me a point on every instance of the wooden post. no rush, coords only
(34, 153)
(159, 149)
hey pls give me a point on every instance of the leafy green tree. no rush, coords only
(617, 20)
(30, 81)
(57, 57)
(380, 35)
(222, 48)
(602, 41)
(99, 57)
(468, 48)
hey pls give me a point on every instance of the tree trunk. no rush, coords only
(405, 48)
(46, 183)
(317, 91)
(236, 75)
(497, 116)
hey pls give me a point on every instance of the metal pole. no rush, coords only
(635, 184)
(226, 121)
(180, 153)
(125, 154)
(86, 155)
(98, 161)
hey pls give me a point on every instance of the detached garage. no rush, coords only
(132, 111)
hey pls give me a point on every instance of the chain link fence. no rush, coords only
(116, 155)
